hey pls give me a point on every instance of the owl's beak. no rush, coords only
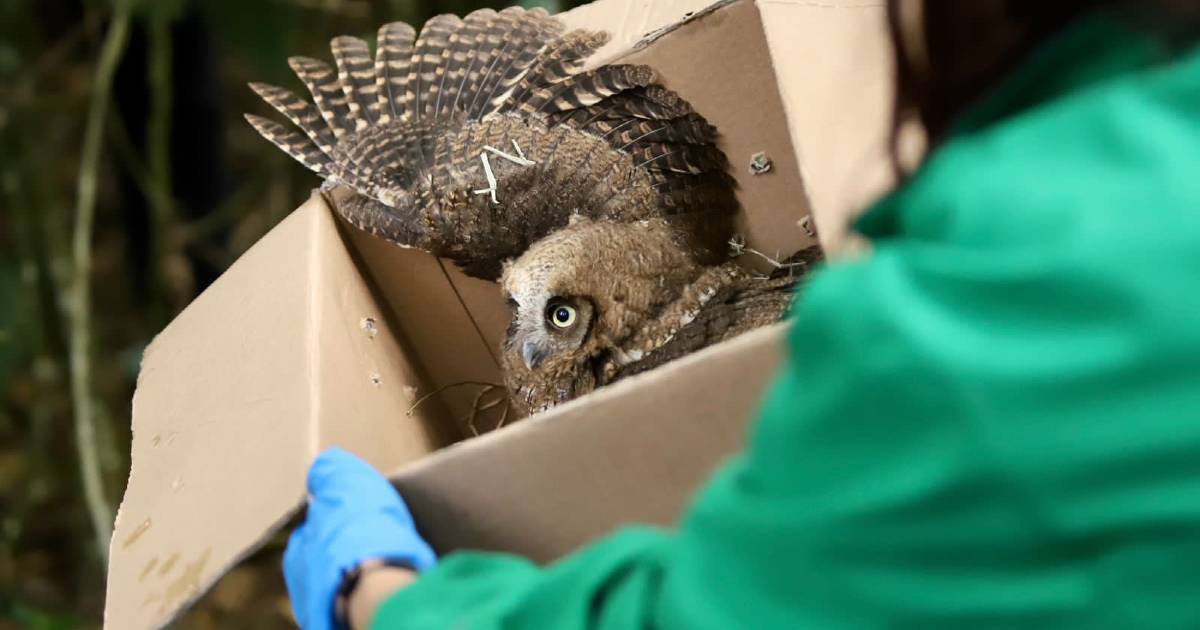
(532, 354)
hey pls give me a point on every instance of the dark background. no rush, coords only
(183, 186)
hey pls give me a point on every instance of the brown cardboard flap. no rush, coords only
(451, 324)
(834, 64)
(631, 452)
(236, 396)
(720, 63)
(365, 371)
(194, 431)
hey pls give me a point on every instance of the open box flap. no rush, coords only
(720, 63)
(631, 452)
(834, 67)
(285, 354)
(452, 325)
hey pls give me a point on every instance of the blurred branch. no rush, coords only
(118, 134)
(80, 287)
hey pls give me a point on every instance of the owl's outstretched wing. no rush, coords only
(483, 134)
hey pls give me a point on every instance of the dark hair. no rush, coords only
(950, 52)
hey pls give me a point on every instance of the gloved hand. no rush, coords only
(354, 514)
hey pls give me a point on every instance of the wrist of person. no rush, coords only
(366, 587)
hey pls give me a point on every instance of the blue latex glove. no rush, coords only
(354, 514)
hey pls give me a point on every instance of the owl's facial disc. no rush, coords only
(550, 327)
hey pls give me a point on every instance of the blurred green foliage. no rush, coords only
(184, 187)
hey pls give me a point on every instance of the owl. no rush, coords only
(602, 300)
(598, 194)
(484, 134)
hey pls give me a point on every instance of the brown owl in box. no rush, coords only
(602, 300)
(483, 140)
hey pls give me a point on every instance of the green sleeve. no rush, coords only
(611, 584)
(991, 422)
(947, 447)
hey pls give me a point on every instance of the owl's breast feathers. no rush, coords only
(722, 303)
(483, 134)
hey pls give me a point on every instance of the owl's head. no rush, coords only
(547, 326)
(578, 293)
(550, 297)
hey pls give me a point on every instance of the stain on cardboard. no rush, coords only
(159, 439)
(182, 587)
(188, 582)
(169, 564)
(136, 534)
(147, 569)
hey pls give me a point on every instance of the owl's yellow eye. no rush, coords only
(561, 315)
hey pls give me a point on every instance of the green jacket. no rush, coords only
(993, 421)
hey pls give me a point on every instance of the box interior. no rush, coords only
(719, 61)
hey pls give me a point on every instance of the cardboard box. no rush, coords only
(321, 335)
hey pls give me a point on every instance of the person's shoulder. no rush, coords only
(1121, 152)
